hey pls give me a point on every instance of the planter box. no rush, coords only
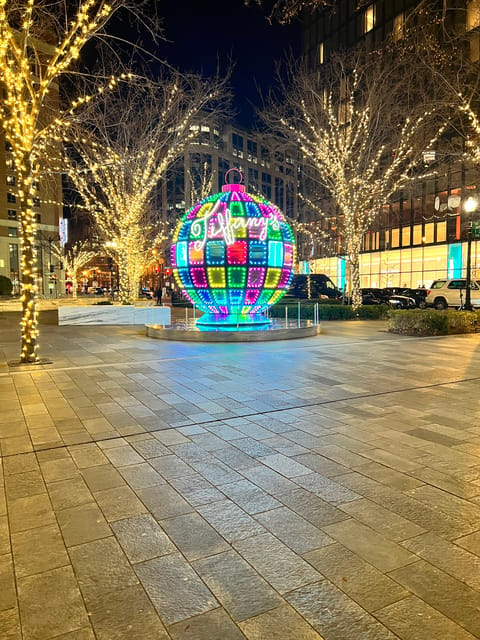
(113, 315)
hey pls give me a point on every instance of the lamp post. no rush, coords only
(424, 239)
(470, 205)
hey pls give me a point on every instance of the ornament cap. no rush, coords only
(234, 187)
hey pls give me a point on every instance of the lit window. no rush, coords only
(10, 179)
(205, 129)
(473, 14)
(321, 53)
(10, 164)
(369, 18)
(474, 46)
(399, 27)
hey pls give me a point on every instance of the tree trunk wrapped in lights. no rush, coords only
(39, 43)
(362, 125)
(121, 153)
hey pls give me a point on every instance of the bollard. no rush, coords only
(286, 317)
(298, 314)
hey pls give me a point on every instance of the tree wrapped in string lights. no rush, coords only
(39, 44)
(74, 257)
(362, 125)
(120, 154)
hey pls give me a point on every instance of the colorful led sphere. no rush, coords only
(233, 256)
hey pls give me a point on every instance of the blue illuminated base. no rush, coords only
(231, 321)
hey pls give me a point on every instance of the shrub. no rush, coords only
(333, 311)
(462, 321)
(104, 302)
(429, 322)
(373, 312)
(5, 286)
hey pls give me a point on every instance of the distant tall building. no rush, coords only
(422, 234)
(267, 169)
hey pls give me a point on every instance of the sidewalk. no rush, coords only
(327, 487)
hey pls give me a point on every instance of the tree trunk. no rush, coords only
(29, 271)
(354, 260)
(124, 294)
(74, 289)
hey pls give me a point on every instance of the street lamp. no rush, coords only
(470, 205)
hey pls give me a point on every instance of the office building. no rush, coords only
(422, 234)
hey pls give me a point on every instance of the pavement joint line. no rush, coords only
(256, 413)
(39, 368)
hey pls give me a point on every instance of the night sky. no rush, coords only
(202, 32)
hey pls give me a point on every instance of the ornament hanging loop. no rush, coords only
(238, 171)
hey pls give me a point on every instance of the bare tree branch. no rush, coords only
(122, 148)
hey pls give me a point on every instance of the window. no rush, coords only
(10, 163)
(13, 252)
(457, 284)
(473, 14)
(11, 197)
(12, 214)
(36, 201)
(10, 179)
(12, 232)
(474, 46)
(395, 237)
(237, 141)
(252, 151)
(441, 231)
(398, 26)
(321, 53)
(369, 18)
(8, 146)
(38, 216)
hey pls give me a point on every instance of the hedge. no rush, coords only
(430, 322)
(329, 311)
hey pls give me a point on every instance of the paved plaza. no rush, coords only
(322, 488)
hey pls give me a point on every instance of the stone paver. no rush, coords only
(319, 489)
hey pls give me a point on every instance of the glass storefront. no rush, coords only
(409, 267)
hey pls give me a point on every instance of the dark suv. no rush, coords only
(314, 285)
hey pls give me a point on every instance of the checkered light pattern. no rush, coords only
(233, 254)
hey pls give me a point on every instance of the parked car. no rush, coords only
(312, 286)
(451, 293)
(418, 295)
(146, 293)
(374, 295)
(96, 291)
(400, 301)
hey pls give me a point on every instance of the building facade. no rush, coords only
(422, 234)
(267, 169)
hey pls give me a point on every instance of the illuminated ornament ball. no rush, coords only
(233, 256)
